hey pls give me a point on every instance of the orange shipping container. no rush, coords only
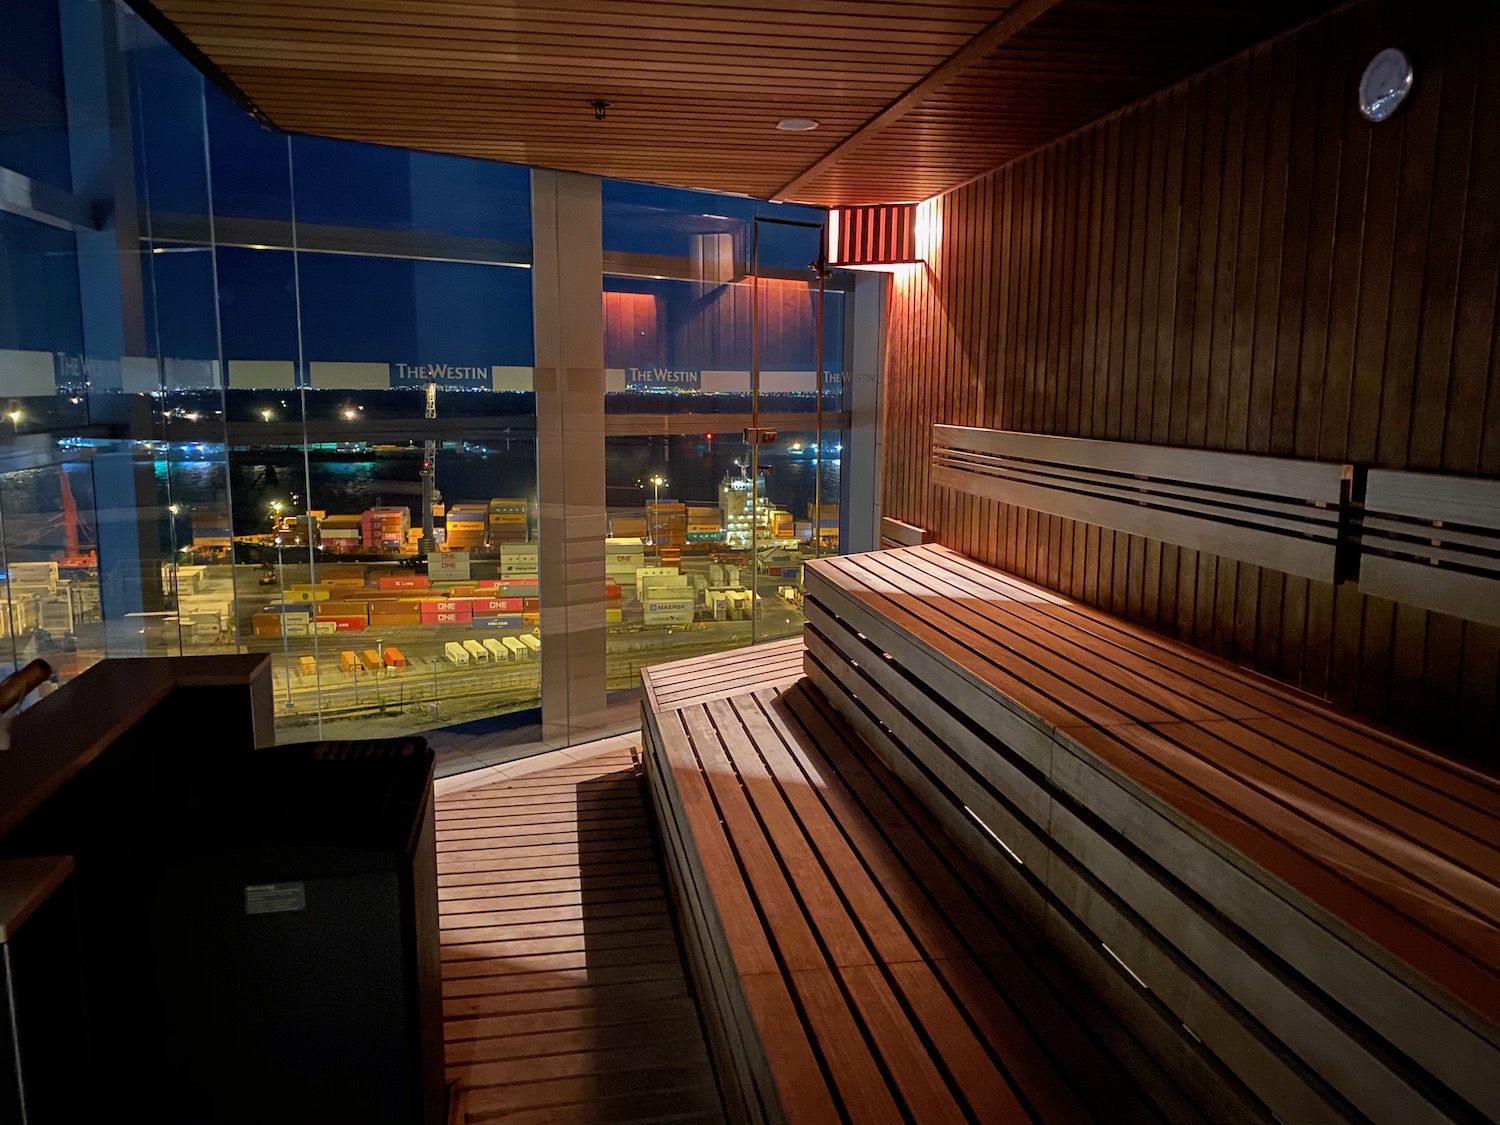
(370, 658)
(344, 609)
(348, 661)
(266, 624)
(393, 657)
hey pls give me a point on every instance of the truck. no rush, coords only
(455, 653)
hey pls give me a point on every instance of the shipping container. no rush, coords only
(492, 606)
(496, 650)
(393, 657)
(345, 624)
(531, 642)
(404, 582)
(371, 660)
(504, 621)
(308, 665)
(517, 649)
(348, 661)
(476, 651)
(455, 653)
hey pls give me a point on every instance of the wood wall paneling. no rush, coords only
(1239, 262)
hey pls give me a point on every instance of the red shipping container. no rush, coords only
(404, 582)
(611, 590)
(488, 584)
(431, 615)
(346, 624)
(484, 607)
(444, 605)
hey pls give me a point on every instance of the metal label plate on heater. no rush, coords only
(275, 898)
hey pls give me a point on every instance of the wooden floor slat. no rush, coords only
(564, 998)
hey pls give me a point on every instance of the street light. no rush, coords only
(265, 413)
(15, 418)
(657, 480)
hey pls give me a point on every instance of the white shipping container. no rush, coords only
(456, 653)
(496, 649)
(477, 651)
(531, 642)
(517, 650)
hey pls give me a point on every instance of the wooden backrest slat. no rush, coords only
(1274, 512)
(1186, 496)
(1411, 554)
(1468, 501)
(898, 533)
(1310, 481)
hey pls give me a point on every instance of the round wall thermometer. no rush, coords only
(1385, 84)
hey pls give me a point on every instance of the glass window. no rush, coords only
(698, 560)
(33, 110)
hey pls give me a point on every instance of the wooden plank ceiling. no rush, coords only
(911, 98)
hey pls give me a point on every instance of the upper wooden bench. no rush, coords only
(1317, 900)
(852, 964)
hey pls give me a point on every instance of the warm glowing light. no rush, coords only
(174, 508)
(834, 217)
(265, 413)
(276, 505)
(928, 229)
(350, 413)
(15, 417)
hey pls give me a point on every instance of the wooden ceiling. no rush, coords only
(911, 98)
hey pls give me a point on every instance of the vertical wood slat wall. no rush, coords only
(1242, 263)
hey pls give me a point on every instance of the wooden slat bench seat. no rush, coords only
(853, 965)
(1318, 901)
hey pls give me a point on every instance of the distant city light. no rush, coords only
(265, 413)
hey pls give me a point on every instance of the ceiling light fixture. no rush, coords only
(600, 107)
(796, 124)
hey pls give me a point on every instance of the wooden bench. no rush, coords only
(1270, 511)
(851, 963)
(1433, 541)
(1316, 900)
